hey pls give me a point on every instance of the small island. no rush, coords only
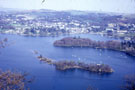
(68, 65)
(124, 46)
(97, 68)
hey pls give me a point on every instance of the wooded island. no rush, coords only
(124, 46)
(68, 65)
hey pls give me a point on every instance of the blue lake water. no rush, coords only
(19, 57)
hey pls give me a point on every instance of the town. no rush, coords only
(54, 23)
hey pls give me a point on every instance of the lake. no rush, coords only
(19, 57)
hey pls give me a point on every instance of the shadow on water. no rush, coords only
(71, 71)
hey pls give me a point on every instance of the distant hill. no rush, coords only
(72, 12)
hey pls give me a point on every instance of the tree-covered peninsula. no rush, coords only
(68, 65)
(124, 46)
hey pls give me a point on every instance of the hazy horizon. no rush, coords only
(117, 6)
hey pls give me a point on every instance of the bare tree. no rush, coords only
(13, 81)
(129, 83)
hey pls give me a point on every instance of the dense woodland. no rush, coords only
(124, 46)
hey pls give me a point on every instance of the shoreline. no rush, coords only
(88, 43)
(68, 65)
